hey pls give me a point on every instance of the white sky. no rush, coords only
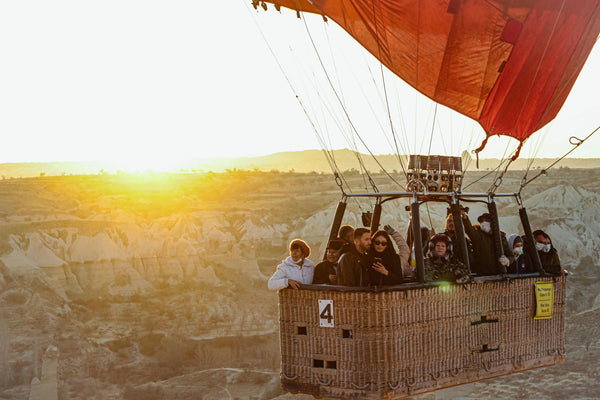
(151, 82)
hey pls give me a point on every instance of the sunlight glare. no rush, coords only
(145, 163)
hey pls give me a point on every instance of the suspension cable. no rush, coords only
(498, 178)
(387, 103)
(345, 111)
(485, 175)
(328, 153)
(575, 142)
(429, 215)
(432, 129)
(349, 139)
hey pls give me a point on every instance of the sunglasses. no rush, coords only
(380, 243)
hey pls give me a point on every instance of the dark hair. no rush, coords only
(335, 244)
(440, 237)
(484, 217)
(358, 232)
(544, 234)
(344, 230)
(389, 249)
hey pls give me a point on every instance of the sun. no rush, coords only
(137, 163)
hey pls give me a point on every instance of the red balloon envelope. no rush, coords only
(508, 64)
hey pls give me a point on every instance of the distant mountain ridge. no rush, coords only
(299, 161)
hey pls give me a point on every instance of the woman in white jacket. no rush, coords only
(294, 270)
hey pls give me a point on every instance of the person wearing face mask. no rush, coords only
(295, 270)
(440, 265)
(521, 265)
(484, 260)
(548, 254)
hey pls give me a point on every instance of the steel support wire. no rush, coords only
(575, 142)
(335, 92)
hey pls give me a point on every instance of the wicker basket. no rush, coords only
(390, 343)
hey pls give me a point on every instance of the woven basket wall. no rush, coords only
(393, 344)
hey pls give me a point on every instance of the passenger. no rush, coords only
(385, 266)
(441, 266)
(353, 264)
(294, 270)
(403, 252)
(484, 260)
(326, 271)
(426, 235)
(520, 265)
(548, 254)
(451, 233)
(346, 235)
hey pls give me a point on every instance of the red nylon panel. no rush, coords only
(472, 59)
(526, 96)
(458, 59)
(568, 78)
(452, 58)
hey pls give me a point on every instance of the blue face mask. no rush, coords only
(547, 248)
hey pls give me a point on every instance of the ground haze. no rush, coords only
(152, 286)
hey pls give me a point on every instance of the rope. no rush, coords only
(432, 129)
(393, 146)
(429, 216)
(349, 137)
(498, 179)
(345, 111)
(387, 104)
(485, 175)
(328, 153)
(575, 142)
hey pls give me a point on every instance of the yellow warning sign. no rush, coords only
(544, 298)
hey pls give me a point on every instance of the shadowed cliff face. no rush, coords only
(160, 291)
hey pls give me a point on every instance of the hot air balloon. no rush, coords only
(509, 65)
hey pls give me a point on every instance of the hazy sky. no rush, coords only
(150, 82)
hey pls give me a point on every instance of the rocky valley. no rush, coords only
(152, 286)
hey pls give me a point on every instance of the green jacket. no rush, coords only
(446, 270)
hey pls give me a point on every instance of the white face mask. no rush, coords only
(539, 246)
(486, 227)
(547, 248)
(518, 251)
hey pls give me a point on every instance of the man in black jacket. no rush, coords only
(353, 264)
(326, 271)
(484, 259)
